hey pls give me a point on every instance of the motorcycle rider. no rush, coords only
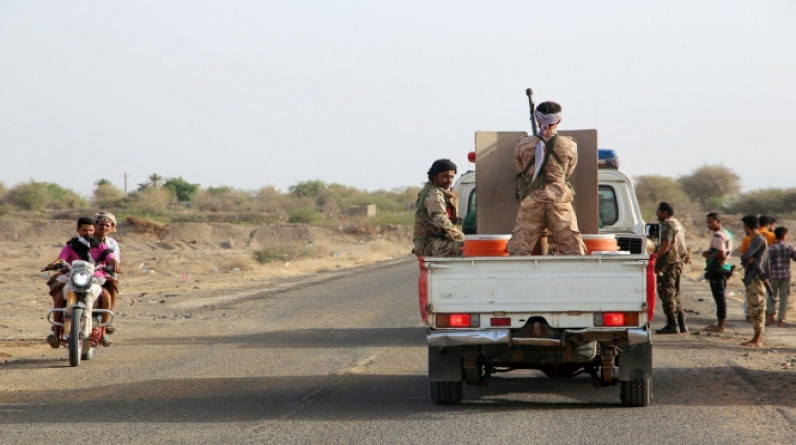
(87, 248)
(105, 223)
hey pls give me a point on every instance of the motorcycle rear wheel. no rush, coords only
(75, 343)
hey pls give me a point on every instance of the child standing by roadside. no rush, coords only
(779, 256)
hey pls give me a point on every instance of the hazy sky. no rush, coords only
(368, 93)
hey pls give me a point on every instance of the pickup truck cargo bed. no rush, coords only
(537, 284)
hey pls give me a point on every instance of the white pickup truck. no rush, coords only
(559, 314)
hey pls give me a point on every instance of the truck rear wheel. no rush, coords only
(446, 393)
(635, 392)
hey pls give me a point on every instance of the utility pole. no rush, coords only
(125, 175)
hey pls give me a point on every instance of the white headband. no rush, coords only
(546, 120)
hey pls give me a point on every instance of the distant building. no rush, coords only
(366, 210)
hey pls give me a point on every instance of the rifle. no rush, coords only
(432, 227)
(757, 271)
(529, 93)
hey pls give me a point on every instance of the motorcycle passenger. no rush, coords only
(105, 223)
(87, 248)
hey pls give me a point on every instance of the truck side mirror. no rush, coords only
(653, 231)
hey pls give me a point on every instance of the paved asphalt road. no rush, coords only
(344, 361)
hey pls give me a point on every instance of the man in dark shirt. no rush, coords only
(753, 260)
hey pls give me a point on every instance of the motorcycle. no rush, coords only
(81, 329)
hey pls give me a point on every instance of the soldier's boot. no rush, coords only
(681, 322)
(671, 326)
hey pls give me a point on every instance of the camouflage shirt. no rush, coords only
(556, 188)
(673, 232)
(432, 214)
(434, 232)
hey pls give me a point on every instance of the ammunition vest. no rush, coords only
(421, 227)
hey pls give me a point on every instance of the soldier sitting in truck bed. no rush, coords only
(438, 230)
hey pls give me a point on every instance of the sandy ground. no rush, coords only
(191, 265)
(209, 262)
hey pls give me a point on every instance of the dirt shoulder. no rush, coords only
(203, 264)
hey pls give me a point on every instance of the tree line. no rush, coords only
(176, 199)
(711, 188)
(707, 188)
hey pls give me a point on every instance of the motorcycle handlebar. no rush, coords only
(61, 265)
(57, 266)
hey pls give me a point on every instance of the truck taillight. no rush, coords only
(615, 319)
(458, 320)
(500, 321)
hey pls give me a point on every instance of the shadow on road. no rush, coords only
(370, 397)
(303, 338)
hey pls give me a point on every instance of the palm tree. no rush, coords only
(155, 180)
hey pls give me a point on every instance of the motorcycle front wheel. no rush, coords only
(75, 345)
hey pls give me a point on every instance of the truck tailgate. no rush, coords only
(537, 284)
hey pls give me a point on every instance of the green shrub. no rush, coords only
(405, 218)
(147, 202)
(282, 252)
(39, 196)
(29, 196)
(303, 215)
(183, 190)
(222, 199)
(107, 195)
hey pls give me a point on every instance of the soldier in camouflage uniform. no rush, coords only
(671, 253)
(545, 164)
(438, 230)
(753, 260)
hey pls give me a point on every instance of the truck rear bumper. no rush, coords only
(632, 336)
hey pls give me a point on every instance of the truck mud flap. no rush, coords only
(445, 364)
(635, 362)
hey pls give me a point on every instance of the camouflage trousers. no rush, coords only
(756, 298)
(437, 247)
(669, 289)
(558, 217)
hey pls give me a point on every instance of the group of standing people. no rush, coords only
(545, 163)
(765, 255)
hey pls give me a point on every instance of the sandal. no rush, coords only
(110, 330)
(713, 329)
(54, 341)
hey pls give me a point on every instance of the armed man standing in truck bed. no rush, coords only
(438, 230)
(545, 191)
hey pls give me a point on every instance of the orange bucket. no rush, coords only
(604, 242)
(485, 245)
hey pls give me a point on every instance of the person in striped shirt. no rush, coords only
(780, 254)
